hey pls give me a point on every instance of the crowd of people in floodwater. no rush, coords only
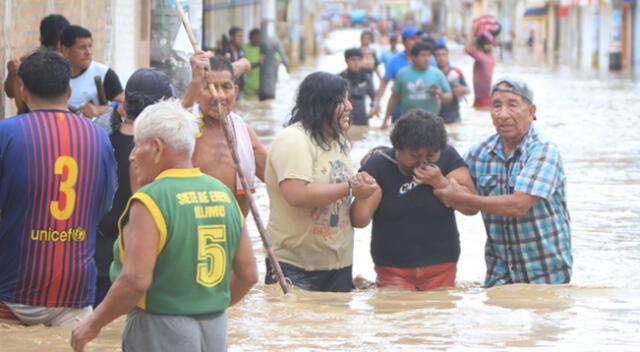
(128, 201)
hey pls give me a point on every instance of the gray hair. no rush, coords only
(170, 122)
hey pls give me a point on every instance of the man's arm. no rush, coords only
(141, 240)
(283, 56)
(460, 89)
(199, 62)
(470, 40)
(381, 89)
(91, 110)
(443, 93)
(370, 90)
(445, 97)
(244, 273)
(432, 175)
(10, 84)
(391, 107)
(241, 66)
(259, 153)
(516, 204)
(461, 176)
(113, 92)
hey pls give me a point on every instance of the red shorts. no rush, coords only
(417, 279)
(481, 103)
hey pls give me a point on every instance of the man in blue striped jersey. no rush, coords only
(521, 193)
(57, 179)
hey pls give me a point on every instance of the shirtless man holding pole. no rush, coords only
(212, 154)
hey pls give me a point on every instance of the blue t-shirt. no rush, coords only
(398, 62)
(395, 64)
(57, 179)
(386, 56)
(413, 88)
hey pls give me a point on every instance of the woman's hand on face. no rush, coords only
(429, 174)
(363, 185)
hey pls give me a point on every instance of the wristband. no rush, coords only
(350, 190)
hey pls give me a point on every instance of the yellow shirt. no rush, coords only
(317, 238)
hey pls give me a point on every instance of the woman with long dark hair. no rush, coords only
(310, 184)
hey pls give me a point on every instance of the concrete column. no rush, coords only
(635, 45)
(6, 56)
(123, 55)
(269, 68)
(195, 18)
(588, 37)
(294, 33)
(109, 32)
(83, 14)
(605, 35)
(552, 31)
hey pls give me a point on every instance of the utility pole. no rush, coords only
(268, 68)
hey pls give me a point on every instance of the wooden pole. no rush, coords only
(236, 160)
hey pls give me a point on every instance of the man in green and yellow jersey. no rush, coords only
(182, 256)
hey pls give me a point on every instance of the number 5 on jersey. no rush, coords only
(66, 189)
(212, 258)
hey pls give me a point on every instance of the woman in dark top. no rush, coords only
(145, 87)
(414, 238)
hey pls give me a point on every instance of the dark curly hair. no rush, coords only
(319, 95)
(70, 34)
(418, 129)
(51, 28)
(45, 74)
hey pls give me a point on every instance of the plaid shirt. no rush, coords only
(536, 247)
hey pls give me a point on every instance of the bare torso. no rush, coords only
(213, 156)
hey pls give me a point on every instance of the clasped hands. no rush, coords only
(363, 185)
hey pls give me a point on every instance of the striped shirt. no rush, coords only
(536, 247)
(57, 179)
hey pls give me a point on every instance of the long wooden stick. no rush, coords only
(236, 160)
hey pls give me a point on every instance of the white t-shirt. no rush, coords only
(83, 87)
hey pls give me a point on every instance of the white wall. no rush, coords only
(635, 45)
(587, 33)
(123, 55)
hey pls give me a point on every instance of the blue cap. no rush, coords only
(409, 32)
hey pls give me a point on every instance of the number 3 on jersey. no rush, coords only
(212, 258)
(66, 188)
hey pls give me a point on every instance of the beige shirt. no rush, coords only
(317, 238)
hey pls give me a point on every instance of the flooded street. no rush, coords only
(594, 121)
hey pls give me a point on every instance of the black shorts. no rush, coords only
(338, 280)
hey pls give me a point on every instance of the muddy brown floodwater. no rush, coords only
(594, 120)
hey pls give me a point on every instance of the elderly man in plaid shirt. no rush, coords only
(521, 193)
